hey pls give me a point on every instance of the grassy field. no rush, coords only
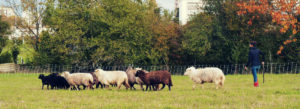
(279, 91)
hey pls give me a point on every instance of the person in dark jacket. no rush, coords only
(254, 62)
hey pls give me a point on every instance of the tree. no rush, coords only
(228, 39)
(165, 34)
(283, 12)
(88, 32)
(30, 14)
(4, 30)
(196, 37)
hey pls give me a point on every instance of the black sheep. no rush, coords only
(45, 80)
(54, 80)
(58, 81)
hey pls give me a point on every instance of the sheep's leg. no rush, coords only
(73, 87)
(77, 88)
(130, 85)
(119, 85)
(217, 84)
(107, 86)
(169, 87)
(133, 87)
(97, 85)
(147, 88)
(47, 87)
(153, 87)
(126, 85)
(194, 86)
(156, 87)
(91, 87)
(202, 85)
(162, 87)
(142, 87)
(43, 87)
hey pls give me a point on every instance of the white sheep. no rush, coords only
(112, 77)
(76, 79)
(203, 75)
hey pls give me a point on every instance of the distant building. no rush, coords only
(186, 8)
(7, 11)
(25, 17)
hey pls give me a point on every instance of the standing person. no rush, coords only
(253, 60)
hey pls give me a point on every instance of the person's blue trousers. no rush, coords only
(255, 69)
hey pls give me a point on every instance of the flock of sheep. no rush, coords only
(129, 78)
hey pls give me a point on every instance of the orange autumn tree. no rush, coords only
(283, 12)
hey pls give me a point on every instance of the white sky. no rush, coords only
(2, 2)
(166, 4)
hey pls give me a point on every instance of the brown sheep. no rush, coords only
(154, 78)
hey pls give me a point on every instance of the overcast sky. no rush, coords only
(2, 2)
(166, 4)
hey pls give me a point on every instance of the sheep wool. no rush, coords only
(154, 78)
(85, 79)
(112, 77)
(206, 75)
(132, 79)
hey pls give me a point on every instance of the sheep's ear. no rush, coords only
(130, 68)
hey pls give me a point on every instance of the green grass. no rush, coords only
(279, 91)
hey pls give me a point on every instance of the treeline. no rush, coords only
(138, 32)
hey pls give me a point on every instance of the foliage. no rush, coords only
(5, 57)
(15, 53)
(4, 30)
(283, 12)
(227, 37)
(87, 32)
(105, 32)
(231, 33)
(123, 32)
(195, 36)
(28, 17)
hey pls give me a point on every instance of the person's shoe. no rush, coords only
(255, 84)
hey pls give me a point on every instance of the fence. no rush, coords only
(7, 67)
(275, 68)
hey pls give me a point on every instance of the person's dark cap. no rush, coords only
(253, 43)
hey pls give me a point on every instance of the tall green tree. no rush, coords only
(4, 30)
(5, 57)
(196, 37)
(106, 32)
